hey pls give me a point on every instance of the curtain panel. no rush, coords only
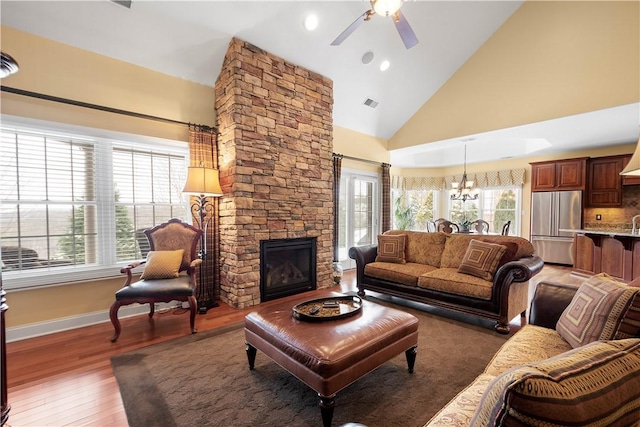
(386, 198)
(337, 173)
(203, 150)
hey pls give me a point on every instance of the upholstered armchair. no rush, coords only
(169, 271)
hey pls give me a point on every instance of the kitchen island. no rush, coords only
(612, 251)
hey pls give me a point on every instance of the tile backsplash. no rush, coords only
(615, 218)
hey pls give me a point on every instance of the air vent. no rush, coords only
(371, 103)
(125, 3)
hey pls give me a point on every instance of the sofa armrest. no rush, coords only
(549, 301)
(363, 256)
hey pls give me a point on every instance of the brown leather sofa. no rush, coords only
(430, 275)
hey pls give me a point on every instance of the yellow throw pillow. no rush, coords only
(391, 248)
(481, 259)
(162, 264)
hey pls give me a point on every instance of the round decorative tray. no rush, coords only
(331, 308)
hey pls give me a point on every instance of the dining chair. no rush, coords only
(169, 272)
(505, 228)
(431, 226)
(480, 226)
(448, 227)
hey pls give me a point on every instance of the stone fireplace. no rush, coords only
(275, 155)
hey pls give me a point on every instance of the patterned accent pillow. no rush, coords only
(162, 264)
(594, 385)
(601, 309)
(391, 248)
(481, 259)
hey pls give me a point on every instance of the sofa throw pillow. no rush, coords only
(481, 259)
(592, 385)
(601, 309)
(162, 264)
(509, 254)
(391, 248)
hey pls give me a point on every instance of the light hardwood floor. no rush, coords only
(66, 379)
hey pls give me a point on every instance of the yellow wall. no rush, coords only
(64, 71)
(355, 144)
(60, 70)
(550, 59)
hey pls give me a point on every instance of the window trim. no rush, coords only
(102, 140)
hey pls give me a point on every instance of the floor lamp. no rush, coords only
(204, 182)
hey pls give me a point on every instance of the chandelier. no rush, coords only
(464, 190)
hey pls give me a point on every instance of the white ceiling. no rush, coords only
(188, 39)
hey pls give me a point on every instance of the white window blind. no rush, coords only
(73, 207)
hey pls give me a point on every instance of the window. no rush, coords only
(72, 207)
(496, 206)
(413, 209)
(358, 216)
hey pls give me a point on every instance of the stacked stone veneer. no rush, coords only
(275, 152)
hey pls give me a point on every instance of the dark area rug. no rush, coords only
(204, 380)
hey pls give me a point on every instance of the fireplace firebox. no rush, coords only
(287, 267)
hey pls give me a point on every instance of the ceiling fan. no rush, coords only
(384, 8)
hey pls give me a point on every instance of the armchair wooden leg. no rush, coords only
(152, 309)
(113, 315)
(193, 307)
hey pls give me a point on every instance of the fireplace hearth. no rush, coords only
(287, 267)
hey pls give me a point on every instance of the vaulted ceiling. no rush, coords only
(528, 77)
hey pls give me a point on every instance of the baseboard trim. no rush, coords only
(33, 330)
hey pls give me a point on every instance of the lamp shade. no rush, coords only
(203, 181)
(633, 167)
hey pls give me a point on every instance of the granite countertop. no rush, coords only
(603, 231)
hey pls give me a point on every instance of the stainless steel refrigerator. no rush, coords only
(550, 212)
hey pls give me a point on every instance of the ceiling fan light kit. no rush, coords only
(384, 8)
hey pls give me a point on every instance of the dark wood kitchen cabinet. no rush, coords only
(604, 187)
(568, 174)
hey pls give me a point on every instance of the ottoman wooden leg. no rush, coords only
(327, 403)
(251, 354)
(411, 357)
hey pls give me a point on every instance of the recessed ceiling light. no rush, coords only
(384, 66)
(311, 22)
(367, 58)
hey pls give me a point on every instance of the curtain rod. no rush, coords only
(23, 92)
(361, 160)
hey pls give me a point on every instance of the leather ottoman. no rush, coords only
(328, 356)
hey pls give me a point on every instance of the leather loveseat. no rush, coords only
(429, 270)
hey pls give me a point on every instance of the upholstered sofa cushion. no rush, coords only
(162, 264)
(599, 311)
(481, 259)
(596, 384)
(391, 248)
(451, 281)
(421, 247)
(456, 246)
(407, 274)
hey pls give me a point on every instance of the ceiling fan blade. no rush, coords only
(404, 29)
(351, 28)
